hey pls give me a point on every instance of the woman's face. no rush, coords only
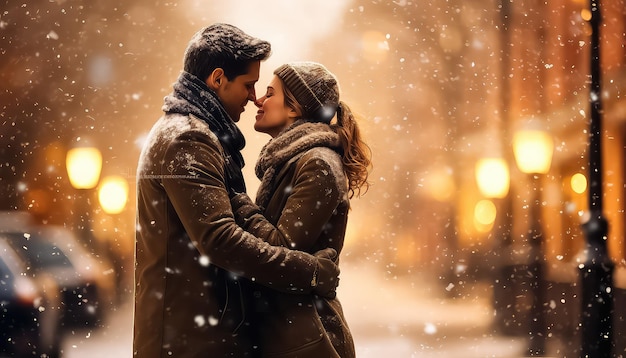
(273, 115)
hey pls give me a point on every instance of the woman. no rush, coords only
(309, 170)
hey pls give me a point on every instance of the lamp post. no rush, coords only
(506, 276)
(596, 274)
(84, 164)
(533, 153)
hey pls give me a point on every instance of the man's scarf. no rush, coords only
(192, 96)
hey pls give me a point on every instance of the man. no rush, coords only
(190, 254)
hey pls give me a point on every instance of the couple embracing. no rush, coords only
(216, 274)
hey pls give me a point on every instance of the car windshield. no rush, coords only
(6, 279)
(39, 253)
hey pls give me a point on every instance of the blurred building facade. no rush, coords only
(446, 86)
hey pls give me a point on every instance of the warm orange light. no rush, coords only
(484, 215)
(492, 177)
(533, 151)
(585, 14)
(113, 194)
(83, 167)
(578, 182)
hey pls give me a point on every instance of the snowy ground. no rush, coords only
(401, 317)
(388, 317)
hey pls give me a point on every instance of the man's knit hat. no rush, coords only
(314, 87)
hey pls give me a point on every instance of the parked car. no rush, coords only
(86, 282)
(29, 319)
(87, 285)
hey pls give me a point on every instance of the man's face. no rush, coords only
(236, 93)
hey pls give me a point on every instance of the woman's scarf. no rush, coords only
(290, 143)
(192, 96)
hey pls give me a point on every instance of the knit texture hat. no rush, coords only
(314, 87)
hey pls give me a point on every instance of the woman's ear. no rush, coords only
(216, 79)
(292, 113)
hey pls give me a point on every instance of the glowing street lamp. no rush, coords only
(533, 149)
(113, 194)
(83, 167)
(492, 177)
(484, 215)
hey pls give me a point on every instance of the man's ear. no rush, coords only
(216, 79)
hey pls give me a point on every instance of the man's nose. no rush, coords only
(252, 95)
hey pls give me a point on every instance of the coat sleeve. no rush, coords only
(195, 185)
(314, 197)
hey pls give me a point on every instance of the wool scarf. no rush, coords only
(291, 143)
(192, 96)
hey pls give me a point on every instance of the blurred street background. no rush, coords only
(387, 318)
(470, 241)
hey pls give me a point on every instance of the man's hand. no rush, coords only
(326, 277)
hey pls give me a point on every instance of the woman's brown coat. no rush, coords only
(307, 209)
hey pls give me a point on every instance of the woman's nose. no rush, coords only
(258, 102)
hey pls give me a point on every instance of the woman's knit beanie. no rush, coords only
(314, 87)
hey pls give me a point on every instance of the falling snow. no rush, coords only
(434, 86)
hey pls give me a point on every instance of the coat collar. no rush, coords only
(291, 143)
